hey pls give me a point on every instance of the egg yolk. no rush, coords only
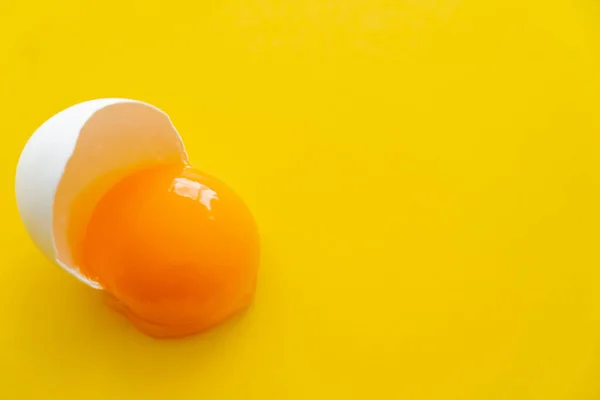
(176, 250)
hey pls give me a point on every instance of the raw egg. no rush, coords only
(105, 190)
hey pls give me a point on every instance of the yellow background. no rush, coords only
(425, 173)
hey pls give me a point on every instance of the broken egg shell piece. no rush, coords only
(93, 144)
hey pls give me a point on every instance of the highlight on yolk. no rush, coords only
(176, 250)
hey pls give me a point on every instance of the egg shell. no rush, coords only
(91, 144)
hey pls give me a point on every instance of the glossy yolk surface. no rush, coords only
(176, 250)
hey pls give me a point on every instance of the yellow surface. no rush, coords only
(425, 173)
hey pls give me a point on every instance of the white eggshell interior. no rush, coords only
(76, 156)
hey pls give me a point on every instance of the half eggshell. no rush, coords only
(76, 156)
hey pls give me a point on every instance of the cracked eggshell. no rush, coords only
(72, 159)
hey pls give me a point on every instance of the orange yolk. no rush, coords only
(176, 250)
